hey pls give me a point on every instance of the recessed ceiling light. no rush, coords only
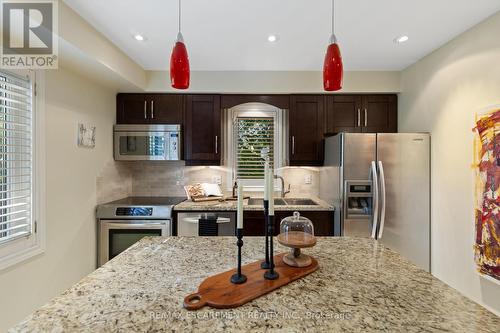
(401, 39)
(272, 38)
(140, 38)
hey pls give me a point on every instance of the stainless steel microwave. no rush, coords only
(147, 142)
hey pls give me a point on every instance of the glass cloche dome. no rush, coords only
(297, 232)
(297, 229)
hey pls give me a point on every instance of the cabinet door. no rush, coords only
(253, 222)
(202, 130)
(306, 130)
(322, 221)
(343, 113)
(380, 113)
(132, 109)
(166, 108)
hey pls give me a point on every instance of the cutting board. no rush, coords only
(217, 291)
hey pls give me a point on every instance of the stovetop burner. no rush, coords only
(139, 207)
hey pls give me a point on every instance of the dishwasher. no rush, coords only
(206, 224)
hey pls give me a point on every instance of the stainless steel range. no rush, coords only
(123, 222)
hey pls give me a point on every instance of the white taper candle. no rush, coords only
(271, 192)
(266, 180)
(239, 223)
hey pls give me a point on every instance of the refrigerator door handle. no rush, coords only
(375, 199)
(383, 194)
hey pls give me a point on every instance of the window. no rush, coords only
(17, 151)
(248, 128)
(252, 135)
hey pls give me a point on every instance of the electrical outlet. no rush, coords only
(308, 179)
(217, 180)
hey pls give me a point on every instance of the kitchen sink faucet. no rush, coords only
(283, 192)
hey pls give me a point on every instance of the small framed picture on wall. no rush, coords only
(86, 136)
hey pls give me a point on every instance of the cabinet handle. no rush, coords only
(216, 144)
(293, 145)
(145, 110)
(359, 117)
(366, 117)
(152, 110)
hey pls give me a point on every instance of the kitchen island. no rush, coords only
(360, 287)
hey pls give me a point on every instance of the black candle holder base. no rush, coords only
(238, 279)
(265, 265)
(271, 275)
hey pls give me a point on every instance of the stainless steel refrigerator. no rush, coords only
(380, 185)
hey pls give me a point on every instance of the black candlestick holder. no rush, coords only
(265, 263)
(271, 274)
(239, 278)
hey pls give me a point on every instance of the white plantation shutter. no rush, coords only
(16, 151)
(253, 134)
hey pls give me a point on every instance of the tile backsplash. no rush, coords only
(113, 183)
(150, 178)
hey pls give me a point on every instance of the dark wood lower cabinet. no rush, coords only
(254, 222)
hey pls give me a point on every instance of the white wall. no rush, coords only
(441, 94)
(71, 174)
(275, 82)
(91, 54)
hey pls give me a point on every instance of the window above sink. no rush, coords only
(250, 127)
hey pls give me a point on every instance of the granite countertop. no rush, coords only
(360, 287)
(229, 205)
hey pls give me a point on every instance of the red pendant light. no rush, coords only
(179, 61)
(333, 69)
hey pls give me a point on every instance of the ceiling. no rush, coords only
(232, 34)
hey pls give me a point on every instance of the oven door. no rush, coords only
(140, 146)
(115, 236)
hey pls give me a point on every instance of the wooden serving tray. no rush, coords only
(218, 292)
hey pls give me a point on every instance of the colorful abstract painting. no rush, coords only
(487, 210)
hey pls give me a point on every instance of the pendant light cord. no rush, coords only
(179, 15)
(333, 17)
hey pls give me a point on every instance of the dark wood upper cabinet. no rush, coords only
(306, 128)
(202, 134)
(310, 118)
(343, 113)
(361, 113)
(380, 113)
(279, 101)
(149, 109)
(166, 108)
(131, 109)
